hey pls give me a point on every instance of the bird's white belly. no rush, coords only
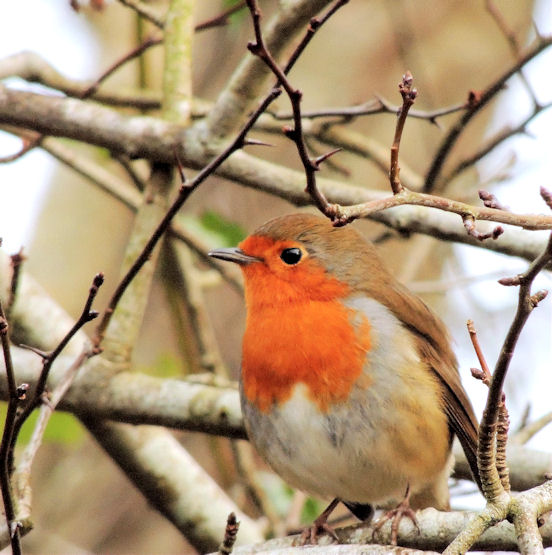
(340, 454)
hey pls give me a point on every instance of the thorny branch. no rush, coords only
(7, 438)
(189, 186)
(91, 89)
(481, 100)
(185, 191)
(296, 134)
(526, 508)
(377, 105)
(48, 359)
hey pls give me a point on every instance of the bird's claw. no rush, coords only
(395, 516)
(311, 534)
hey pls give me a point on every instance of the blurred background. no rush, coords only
(70, 229)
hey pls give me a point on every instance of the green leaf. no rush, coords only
(166, 366)
(231, 232)
(62, 428)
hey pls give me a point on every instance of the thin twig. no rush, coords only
(185, 191)
(513, 42)
(220, 19)
(311, 166)
(17, 260)
(479, 102)
(503, 417)
(378, 105)
(49, 358)
(469, 224)
(526, 303)
(495, 141)
(7, 435)
(126, 164)
(409, 96)
(134, 53)
(145, 11)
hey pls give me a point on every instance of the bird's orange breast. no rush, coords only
(293, 335)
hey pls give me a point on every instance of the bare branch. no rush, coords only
(377, 105)
(6, 446)
(409, 96)
(296, 134)
(480, 102)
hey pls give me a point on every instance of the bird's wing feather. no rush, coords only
(434, 346)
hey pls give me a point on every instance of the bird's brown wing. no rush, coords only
(434, 346)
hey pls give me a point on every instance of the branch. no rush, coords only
(157, 140)
(248, 81)
(377, 105)
(526, 508)
(48, 359)
(259, 48)
(14, 397)
(478, 103)
(491, 144)
(359, 538)
(173, 482)
(467, 212)
(409, 96)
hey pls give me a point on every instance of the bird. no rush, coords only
(349, 386)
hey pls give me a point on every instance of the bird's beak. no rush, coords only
(234, 255)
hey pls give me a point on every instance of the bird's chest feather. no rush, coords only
(320, 344)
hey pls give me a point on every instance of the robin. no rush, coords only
(349, 386)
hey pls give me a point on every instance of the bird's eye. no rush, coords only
(291, 256)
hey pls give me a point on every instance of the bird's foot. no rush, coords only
(320, 526)
(311, 534)
(395, 515)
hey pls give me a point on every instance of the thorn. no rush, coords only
(256, 142)
(42, 354)
(318, 160)
(179, 167)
